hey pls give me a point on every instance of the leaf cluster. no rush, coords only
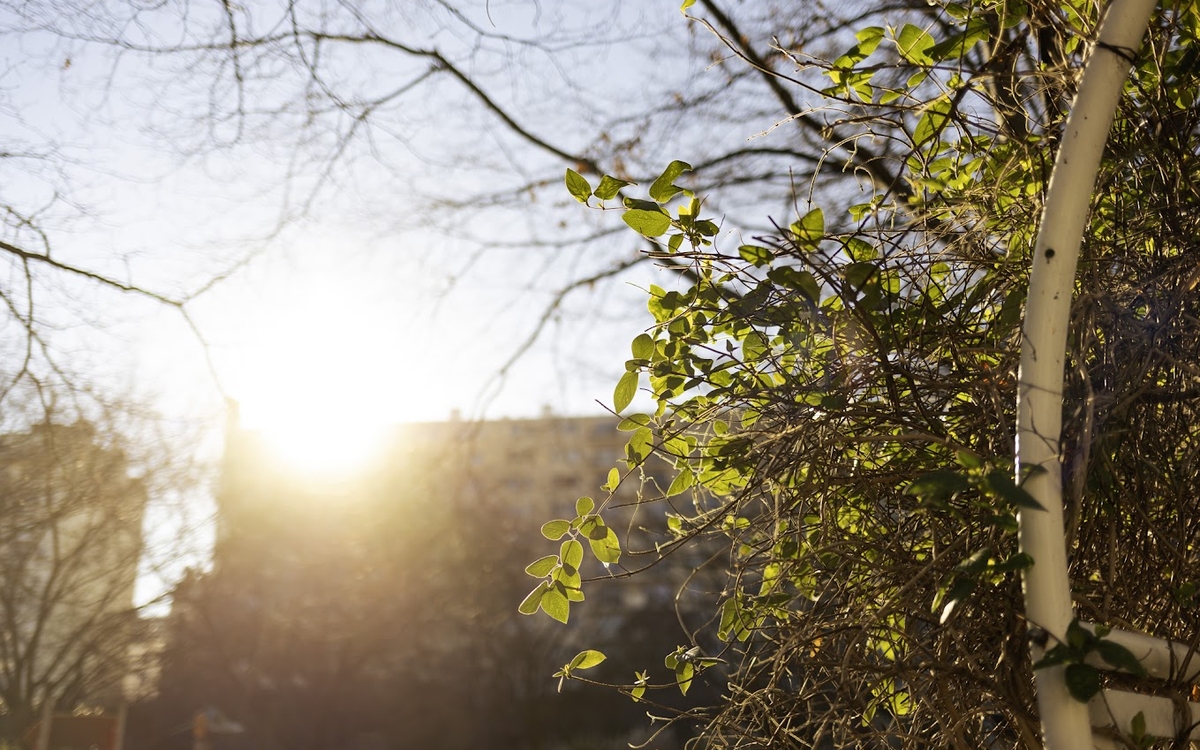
(836, 396)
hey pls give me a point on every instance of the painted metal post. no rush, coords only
(1065, 724)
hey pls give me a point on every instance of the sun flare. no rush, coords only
(322, 383)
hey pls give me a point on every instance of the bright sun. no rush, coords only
(320, 378)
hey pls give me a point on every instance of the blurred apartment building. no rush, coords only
(378, 610)
(522, 471)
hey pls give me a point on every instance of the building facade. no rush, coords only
(379, 610)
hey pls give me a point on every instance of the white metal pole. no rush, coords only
(1065, 724)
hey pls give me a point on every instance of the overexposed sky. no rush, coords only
(360, 295)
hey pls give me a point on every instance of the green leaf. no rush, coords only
(968, 459)
(860, 251)
(608, 549)
(1014, 12)
(759, 256)
(587, 660)
(938, 485)
(1010, 312)
(754, 346)
(962, 588)
(682, 482)
(1060, 654)
(554, 603)
(802, 281)
(664, 188)
(593, 528)
(625, 390)
(934, 121)
(578, 186)
(647, 223)
(1083, 681)
(614, 479)
(684, 671)
(976, 563)
(1137, 726)
(641, 442)
(534, 600)
(733, 622)
(1019, 561)
(914, 44)
(555, 530)
(1079, 638)
(810, 229)
(633, 422)
(1003, 485)
(572, 553)
(858, 275)
(584, 505)
(868, 39)
(541, 567)
(1120, 657)
(609, 187)
(642, 346)
(687, 4)
(977, 30)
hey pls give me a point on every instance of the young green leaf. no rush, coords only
(1083, 681)
(555, 530)
(1120, 657)
(641, 443)
(933, 121)
(1060, 654)
(609, 187)
(625, 390)
(914, 44)
(542, 566)
(572, 553)
(608, 549)
(664, 188)
(810, 229)
(584, 505)
(683, 481)
(614, 479)
(533, 601)
(999, 482)
(938, 485)
(554, 603)
(587, 660)
(633, 422)
(578, 186)
(642, 346)
(684, 671)
(647, 223)
(759, 256)
(729, 618)
(1137, 727)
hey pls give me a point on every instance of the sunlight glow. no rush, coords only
(320, 373)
